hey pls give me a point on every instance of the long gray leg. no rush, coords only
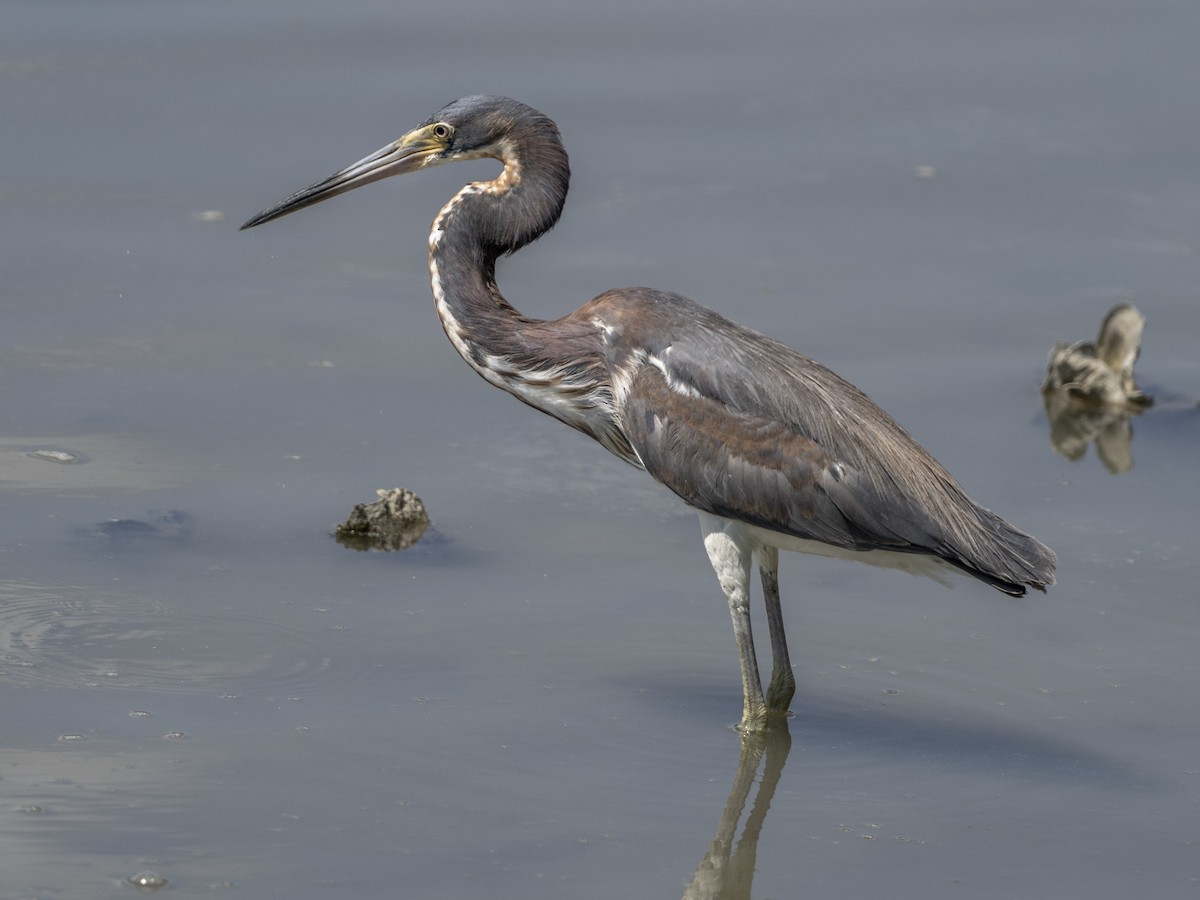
(730, 555)
(783, 681)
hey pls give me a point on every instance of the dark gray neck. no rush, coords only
(557, 367)
(483, 221)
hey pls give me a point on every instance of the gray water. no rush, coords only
(536, 700)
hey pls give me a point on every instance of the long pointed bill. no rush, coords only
(417, 149)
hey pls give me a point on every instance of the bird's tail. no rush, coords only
(1006, 558)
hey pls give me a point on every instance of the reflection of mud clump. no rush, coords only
(395, 521)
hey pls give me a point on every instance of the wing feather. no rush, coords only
(742, 426)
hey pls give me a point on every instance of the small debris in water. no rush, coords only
(147, 881)
(30, 810)
(62, 457)
(141, 714)
(1089, 392)
(393, 522)
(71, 738)
(172, 525)
(174, 736)
(1101, 371)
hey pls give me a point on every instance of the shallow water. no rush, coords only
(535, 701)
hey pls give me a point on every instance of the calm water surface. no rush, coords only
(196, 680)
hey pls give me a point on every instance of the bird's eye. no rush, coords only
(441, 130)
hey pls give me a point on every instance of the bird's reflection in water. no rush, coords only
(727, 870)
(1089, 391)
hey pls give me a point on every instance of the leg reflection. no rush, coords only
(727, 872)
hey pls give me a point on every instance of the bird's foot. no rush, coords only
(780, 692)
(754, 718)
(764, 721)
(758, 713)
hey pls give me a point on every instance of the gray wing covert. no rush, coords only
(747, 466)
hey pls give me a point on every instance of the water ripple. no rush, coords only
(74, 637)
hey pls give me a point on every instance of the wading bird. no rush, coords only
(773, 450)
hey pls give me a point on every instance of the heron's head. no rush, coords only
(469, 128)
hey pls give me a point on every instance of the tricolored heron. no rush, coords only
(772, 449)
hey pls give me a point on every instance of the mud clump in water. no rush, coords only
(395, 521)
